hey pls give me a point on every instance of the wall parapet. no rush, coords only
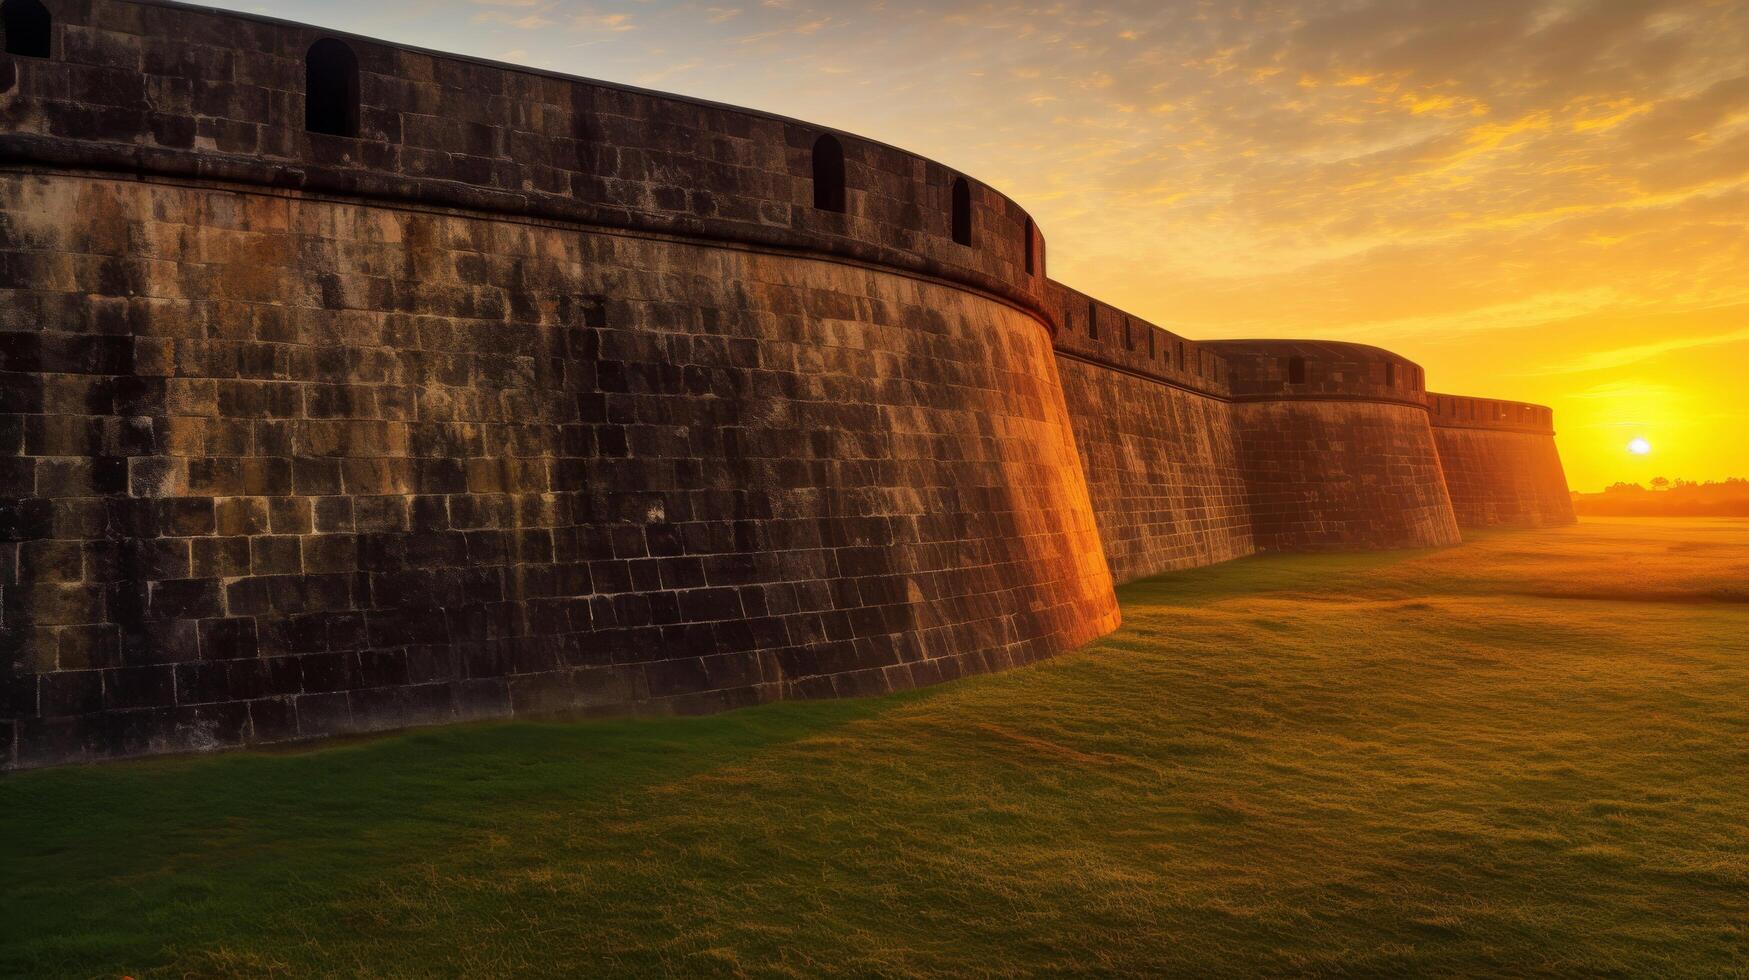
(1465, 412)
(1103, 334)
(157, 87)
(1320, 370)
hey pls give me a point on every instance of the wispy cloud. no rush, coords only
(608, 22)
(802, 28)
(1599, 360)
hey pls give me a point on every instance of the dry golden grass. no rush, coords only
(1524, 755)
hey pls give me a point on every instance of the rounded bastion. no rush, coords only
(1336, 447)
(348, 386)
(1500, 462)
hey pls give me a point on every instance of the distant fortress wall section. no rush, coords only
(346, 386)
(1336, 447)
(1500, 461)
(1156, 437)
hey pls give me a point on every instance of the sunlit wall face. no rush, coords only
(1537, 200)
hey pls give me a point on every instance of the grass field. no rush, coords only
(1529, 754)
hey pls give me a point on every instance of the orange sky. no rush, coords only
(1536, 199)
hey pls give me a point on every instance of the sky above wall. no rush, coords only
(1536, 199)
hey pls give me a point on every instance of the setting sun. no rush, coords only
(1639, 447)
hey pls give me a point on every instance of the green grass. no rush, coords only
(1529, 754)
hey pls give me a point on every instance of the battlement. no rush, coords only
(148, 86)
(1462, 411)
(1318, 370)
(1100, 333)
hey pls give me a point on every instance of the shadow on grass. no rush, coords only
(387, 774)
(184, 842)
(1265, 574)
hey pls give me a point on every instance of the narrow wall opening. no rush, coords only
(962, 211)
(1296, 370)
(829, 192)
(331, 89)
(25, 25)
(1029, 252)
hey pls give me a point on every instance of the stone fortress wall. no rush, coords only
(455, 390)
(1501, 465)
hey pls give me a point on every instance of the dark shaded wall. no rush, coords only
(1501, 465)
(1343, 458)
(540, 395)
(293, 468)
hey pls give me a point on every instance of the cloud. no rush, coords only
(523, 15)
(1621, 356)
(1679, 120)
(667, 73)
(800, 28)
(609, 22)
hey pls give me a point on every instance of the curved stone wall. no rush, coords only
(1326, 476)
(146, 86)
(1163, 471)
(1500, 461)
(294, 467)
(1336, 447)
(1317, 370)
(1156, 436)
